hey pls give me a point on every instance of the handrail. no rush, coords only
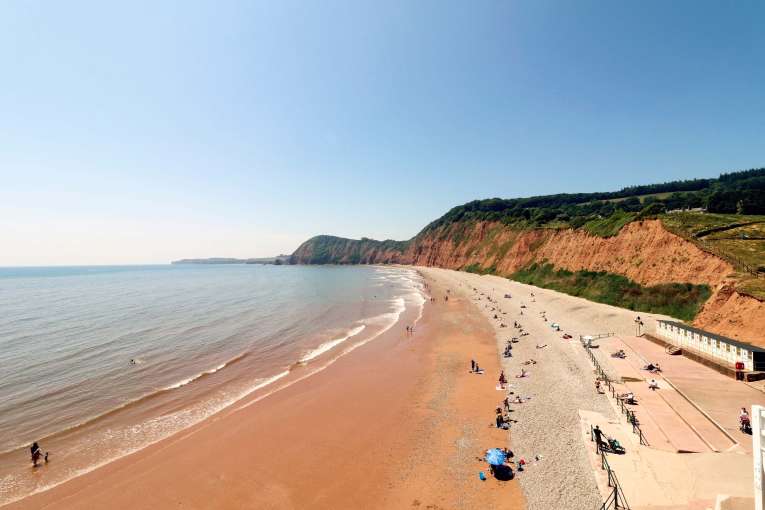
(615, 498)
(706, 246)
(631, 418)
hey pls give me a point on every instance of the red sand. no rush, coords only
(398, 423)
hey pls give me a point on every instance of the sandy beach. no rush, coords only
(400, 422)
(559, 386)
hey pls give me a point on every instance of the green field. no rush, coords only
(738, 238)
(609, 226)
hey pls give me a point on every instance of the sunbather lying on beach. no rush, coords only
(654, 368)
(653, 384)
(530, 362)
(541, 346)
(502, 421)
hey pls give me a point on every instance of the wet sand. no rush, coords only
(398, 423)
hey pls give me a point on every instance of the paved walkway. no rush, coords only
(668, 420)
(720, 397)
(654, 479)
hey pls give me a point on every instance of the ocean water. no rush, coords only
(98, 362)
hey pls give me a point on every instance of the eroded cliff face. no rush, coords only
(734, 315)
(643, 251)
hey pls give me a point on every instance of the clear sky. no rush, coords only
(141, 132)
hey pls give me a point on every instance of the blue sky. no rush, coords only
(149, 131)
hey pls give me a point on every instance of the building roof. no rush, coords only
(743, 345)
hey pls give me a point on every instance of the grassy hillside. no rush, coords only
(738, 238)
(681, 300)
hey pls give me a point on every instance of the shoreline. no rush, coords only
(94, 441)
(348, 435)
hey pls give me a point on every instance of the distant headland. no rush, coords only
(277, 260)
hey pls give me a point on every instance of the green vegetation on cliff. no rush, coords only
(681, 300)
(605, 213)
(477, 269)
(339, 250)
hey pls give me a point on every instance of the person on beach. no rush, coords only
(743, 418)
(628, 398)
(502, 379)
(506, 404)
(653, 384)
(472, 365)
(598, 437)
(523, 373)
(653, 368)
(36, 454)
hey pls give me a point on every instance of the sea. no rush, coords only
(99, 362)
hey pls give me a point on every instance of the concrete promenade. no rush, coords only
(690, 461)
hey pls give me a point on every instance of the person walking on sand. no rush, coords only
(502, 379)
(472, 365)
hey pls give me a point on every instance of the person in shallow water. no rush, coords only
(36, 454)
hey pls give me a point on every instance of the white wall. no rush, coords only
(726, 353)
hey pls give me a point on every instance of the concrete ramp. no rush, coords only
(668, 420)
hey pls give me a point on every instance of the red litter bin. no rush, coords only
(739, 370)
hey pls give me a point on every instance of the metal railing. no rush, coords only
(707, 246)
(615, 498)
(631, 418)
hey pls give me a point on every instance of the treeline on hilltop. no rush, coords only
(732, 193)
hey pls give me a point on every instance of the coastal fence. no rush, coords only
(708, 247)
(631, 418)
(615, 499)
